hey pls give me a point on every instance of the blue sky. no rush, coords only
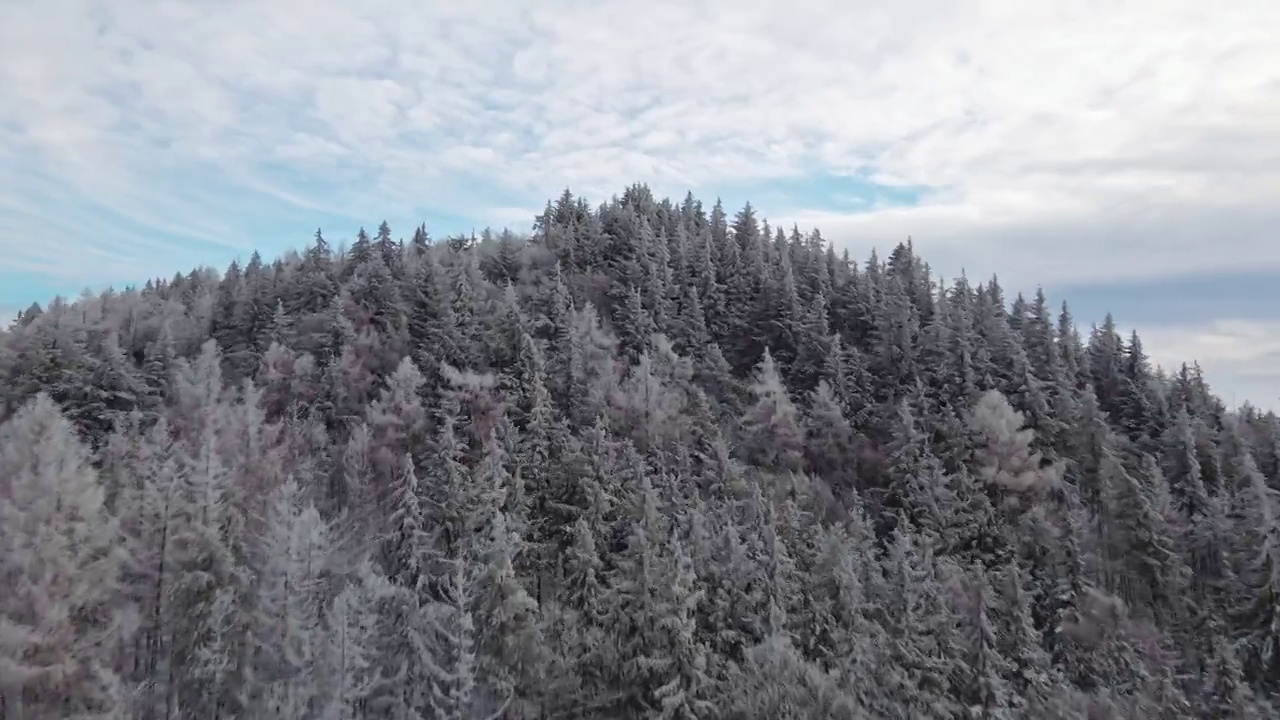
(1126, 158)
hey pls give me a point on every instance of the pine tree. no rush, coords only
(1153, 575)
(288, 645)
(1260, 576)
(398, 425)
(986, 690)
(406, 547)
(685, 695)
(1004, 457)
(774, 437)
(829, 441)
(62, 614)
(349, 662)
(447, 644)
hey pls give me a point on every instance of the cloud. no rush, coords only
(1139, 239)
(1241, 358)
(1036, 126)
(1053, 142)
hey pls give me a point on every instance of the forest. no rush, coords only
(647, 460)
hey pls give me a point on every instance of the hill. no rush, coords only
(649, 461)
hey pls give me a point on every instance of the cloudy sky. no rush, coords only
(1125, 155)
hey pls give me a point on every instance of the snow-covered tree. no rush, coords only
(346, 672)
(63, 612)
(1004, 456)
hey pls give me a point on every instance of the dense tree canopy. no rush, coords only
(650, 461)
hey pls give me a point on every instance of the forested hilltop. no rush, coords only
(648, 462)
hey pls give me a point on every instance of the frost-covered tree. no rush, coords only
(772, 425)
(1259, 574)
(1004, 456)
(346, 672)
(63, 613)
(288, 644)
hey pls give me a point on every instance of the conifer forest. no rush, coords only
(652, 459)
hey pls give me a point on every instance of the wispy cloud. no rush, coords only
(1057, 142)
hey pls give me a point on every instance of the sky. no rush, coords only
(1124, 155)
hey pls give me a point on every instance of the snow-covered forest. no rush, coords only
(651, 461)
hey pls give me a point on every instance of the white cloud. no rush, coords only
(1067, 123)
(1031, 239)
(1241, 358)
(1066, 141)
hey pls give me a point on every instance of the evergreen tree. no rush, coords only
(774, 436)
(349, 668)
(63, 612)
